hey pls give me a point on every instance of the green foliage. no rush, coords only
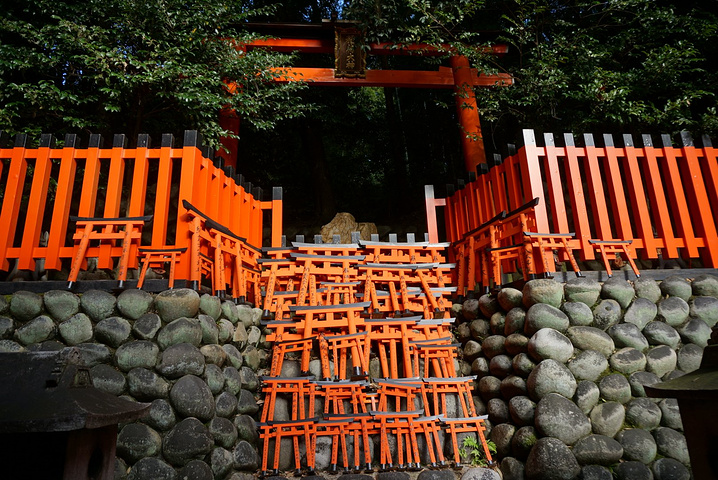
(128, 66)
(473, 449)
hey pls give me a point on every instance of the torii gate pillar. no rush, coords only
(472, 143)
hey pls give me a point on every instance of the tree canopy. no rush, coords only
(129, 66)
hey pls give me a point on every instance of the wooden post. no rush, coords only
(472, 142)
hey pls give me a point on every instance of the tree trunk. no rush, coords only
(324, 203)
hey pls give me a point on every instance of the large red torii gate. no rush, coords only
(339, 38)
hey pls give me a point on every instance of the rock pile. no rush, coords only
(195, 359)
(562, 370)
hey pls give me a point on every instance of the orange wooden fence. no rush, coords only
(659, 197)
(42, 187)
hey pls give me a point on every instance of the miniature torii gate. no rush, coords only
(343, 39)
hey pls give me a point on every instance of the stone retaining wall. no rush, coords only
(562, 371)
(195, 359)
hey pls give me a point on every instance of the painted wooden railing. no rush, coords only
(662, 198)
(42, 187)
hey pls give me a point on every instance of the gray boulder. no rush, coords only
(161, 416)
(522, 410)
(550, 376)
(512, 469)
(113, 331)
(146, 385)
(522, 365)
(660, 333)
(245, 457)
(633, 471)
(500, 366)
(705, 309)
(705, 285)
(643, 413)
(628, 360)
(36, 331)
(479, 329)
(497, 323)
(479, 473)
(579, 314)
(661, 360)
(628, 335)
(597, 450)
(558, 417)
(196, 470)
(542, 315)
(588, 365)
(133, 303)
(583, 290)
(223, 432)
(647, 288)
(510, 298)
(619, 290)
(76, 329)
(524, 440)
(675, 286)
(640, 379)
(595, 472)
(673, 311)
(550, 343)
(670, 469)
(501, 435)
(214, 377)
(106, 378)
(191, 397)
(513, 386)
(606, 314)
(491, 346)
(211, 306)
(607, 418)
(672, 444)
(641, 312)
(180, 360)
(136, 441)
(139, 353)
(98, 304)
(670, 414)
(690, 357)
(591, 338)
(587, 396)
(638, 445)
(181, 330)
(543, 291)
(177, 303)
(25, 305)
(152, 468)
(210, 331)
(147, 326)
(615, 388)
(516, 343)
(61, 304)
(551, 459)
(189, 439)
(470, 309)
(696, 332)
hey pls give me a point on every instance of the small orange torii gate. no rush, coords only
(343, 39)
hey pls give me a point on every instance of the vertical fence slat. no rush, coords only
(277, 217)
(599, 206)
(621, 218)
(681, 213)
(12, 198)
(255, 235)
(189, 171)
(113, 196)
(91, 178)
(637, 194)
(578, 198)
(513, 178)
(555, 190)
(710, 158)
(661, 216)
(36, 203)
(161, 212)
(63, 199)
(530, 155)
(698, 199)
(139, 177)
